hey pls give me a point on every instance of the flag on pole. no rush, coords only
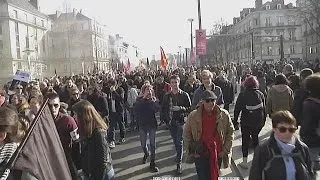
(148, 63)
(164, 61)
(41, 153)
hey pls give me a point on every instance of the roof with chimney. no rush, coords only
(26, 5)
(78, 16)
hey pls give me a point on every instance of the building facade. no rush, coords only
(23, 38)
(310, 29)
(79, 44)
(255, 35)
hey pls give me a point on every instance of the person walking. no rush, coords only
(251, 103)
(283, 156)
(175, 108)
(96, 155)
(208, 137)
(145, 110)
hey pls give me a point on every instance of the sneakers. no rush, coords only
(153, 167)
(122, 140)
(112, 144)
(179, 168)
(144, 159)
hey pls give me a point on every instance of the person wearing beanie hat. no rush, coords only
(251, 103)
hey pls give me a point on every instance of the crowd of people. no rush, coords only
(193, 104)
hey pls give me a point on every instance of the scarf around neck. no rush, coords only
(286, 149)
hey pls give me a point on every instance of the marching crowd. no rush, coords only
(193, 105)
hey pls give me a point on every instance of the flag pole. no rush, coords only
(16, 154)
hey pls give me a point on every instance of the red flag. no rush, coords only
(128, 66)
(41, 153)
(164, 61)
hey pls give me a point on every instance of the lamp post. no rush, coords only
(191, 33)
(200, 28)
(180, 55)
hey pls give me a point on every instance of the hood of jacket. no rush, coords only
(281, 87)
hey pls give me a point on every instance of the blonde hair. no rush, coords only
(10, 124)
(206, 73)
(88, 117)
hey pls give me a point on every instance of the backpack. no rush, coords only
(254, 105)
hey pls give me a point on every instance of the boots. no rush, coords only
(153, 166)
(179, 168)
(144, 159)
(244, 163)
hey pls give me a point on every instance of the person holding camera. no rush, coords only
(208, 136)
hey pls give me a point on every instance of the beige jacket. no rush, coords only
(193, 130)
(280, 97)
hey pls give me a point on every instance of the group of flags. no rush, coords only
(164, 62)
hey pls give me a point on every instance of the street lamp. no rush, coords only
(180, 55)
(191, 40)
(191, 29)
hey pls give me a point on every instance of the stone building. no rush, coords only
(79, 44)
(255, 35)
(23, 38)
(310, 29)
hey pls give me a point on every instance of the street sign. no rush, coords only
(201, 42)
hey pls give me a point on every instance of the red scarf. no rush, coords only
(212, 141)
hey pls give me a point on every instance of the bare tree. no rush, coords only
(217, 27)
(217, 43)
(310, 11)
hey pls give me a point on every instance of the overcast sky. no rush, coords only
(153, 23)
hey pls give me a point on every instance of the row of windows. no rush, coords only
(268, 23)
(25, 18)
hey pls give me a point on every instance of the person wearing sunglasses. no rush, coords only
(283, 156)
(74, 98)
(208, 136)
(67, 129)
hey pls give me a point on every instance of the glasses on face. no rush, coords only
(19, 88)
(53, 105)
(75, 94)
(284, 129)
(209, 100)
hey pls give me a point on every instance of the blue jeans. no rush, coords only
(152, 138)
(108, 176)
(176, 131)
(203, 168)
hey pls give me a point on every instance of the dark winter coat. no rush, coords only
(227, 90)
(145, 112)
(96, 155)
(299, 96)
(251, 103)
(276, 169)
(310, 127)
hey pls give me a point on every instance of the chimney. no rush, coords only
(58, 13)
(74, 12)
(80, 11)
(258, 4)
(34, 3)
